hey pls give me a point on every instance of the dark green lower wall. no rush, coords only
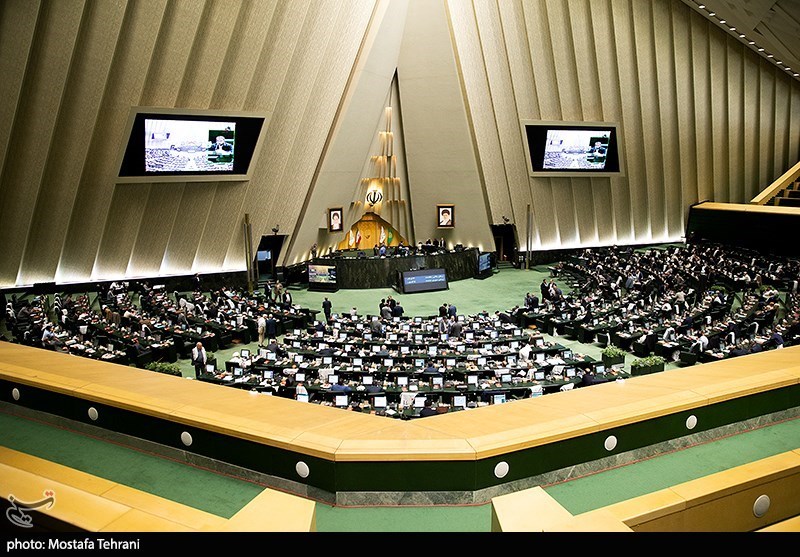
(404, 476)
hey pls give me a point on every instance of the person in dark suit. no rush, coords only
(452, 311)
(199, 359)
(397, 310)
(271, 327)
(443, 310)
(340, 387)
(327, 308)
(428, 409)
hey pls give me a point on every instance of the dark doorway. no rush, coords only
(267, 254)
(505, 243)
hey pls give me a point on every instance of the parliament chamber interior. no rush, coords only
(454, 266)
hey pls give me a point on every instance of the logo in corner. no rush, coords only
(17, 512)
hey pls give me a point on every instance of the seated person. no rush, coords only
(340, 387)
(428, 409)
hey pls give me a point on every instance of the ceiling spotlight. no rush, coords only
(722, 22)
(797, 75)
(779, 63)
(733, 28)
(741, 36)
(752, 42)
(770, 56)
(761, 50)
(702, 6)
(712, 14)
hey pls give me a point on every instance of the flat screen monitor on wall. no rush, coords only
(190, 146)
(573, 149)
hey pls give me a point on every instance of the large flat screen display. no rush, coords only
(321, 274)
(170, 145)
(577, 149)
(424, 280)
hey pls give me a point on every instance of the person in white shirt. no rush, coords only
(199, 359)
(262, 329)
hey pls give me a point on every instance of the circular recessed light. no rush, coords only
(15, 393)
(610, 443)
(93, 414)
(761, 50)
(752, 42)
(761, 506)
(779, 63)
(691, 422)
(302, 469)
(770, 56)
(712, 14)
(722, 22)
(501, 470)
(796, 75)
(733, 29)
(702, 6)
(742, 35)
(186, 438)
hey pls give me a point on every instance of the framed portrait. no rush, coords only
(335, 219)
(445, 216)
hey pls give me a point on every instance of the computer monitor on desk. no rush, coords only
(460, 401)
(341, 401)
(419, 401)
(379, 402)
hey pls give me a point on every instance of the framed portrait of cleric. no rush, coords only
(335, 219)
(445, 216)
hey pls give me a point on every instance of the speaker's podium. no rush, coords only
(322, 278)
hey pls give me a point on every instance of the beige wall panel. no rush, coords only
(587, 59)
(197, 203)
(651, 153)
(736, 127)
(565, 86)
(33, 128)
(542, 59)
(160, 213)
(703, 108)
(752, 121)
(17, 25)
(545, 224)
(441, 159)
(355, 137)
(506, 113)
(340, 35)
(604, 209)
(586, 209)
(518, 51)
(173, 57)
(564, 206)
(75, 123)
(782, 161)
(794, 112)
(543, 65)
(286, 121)
(519, 58)
(670, 143)
(766, 130)
(718, 65)
(212, 44)
(617, 227)
(223, 226)
(474, 68)
(328, 89)
(124, 217)
(684, 93)
(126, 81)
(631, 119)
(238, 69)
(273, 61)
